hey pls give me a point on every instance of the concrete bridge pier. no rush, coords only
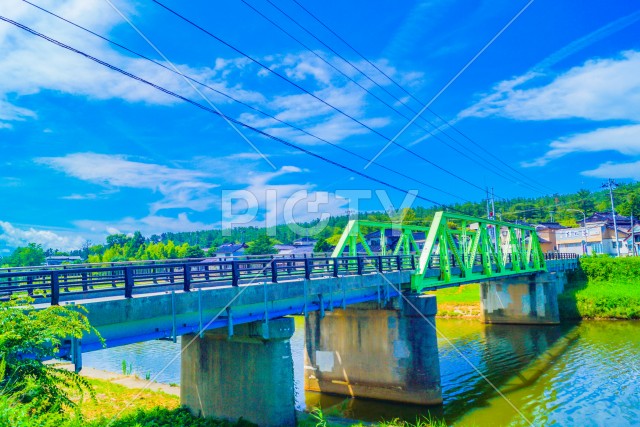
(364, 351)
(248, 375)
(527, 299)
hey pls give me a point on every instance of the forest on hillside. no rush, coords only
(529, 210)
(121, 247)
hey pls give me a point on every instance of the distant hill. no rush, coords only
(531, 210)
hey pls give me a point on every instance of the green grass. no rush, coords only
(119, 406)
(460, 301)
(597, 299)
(605, 288)
(460, 294)
(317, 418)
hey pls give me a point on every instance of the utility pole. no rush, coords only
(493, 232)
(493, 216)
(488, 210)
(493, 206)
(633, 236)
(611, 184)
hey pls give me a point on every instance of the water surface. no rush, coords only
(585, 374)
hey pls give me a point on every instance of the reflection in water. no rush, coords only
(581, 374)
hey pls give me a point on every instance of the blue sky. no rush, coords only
(87, 151)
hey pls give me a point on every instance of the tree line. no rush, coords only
(197, 244)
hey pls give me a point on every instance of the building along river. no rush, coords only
(573, 374)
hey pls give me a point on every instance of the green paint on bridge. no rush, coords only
(462, 248)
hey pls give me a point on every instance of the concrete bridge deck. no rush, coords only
(134, 302)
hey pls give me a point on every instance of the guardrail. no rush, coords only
(557, 256)
(561, 262)
(90, 281)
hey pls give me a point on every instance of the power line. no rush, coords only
(275, 24)
(411, 95)
(212, 111)
(205, 31)
(245, 104)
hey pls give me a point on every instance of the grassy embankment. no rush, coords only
(120, 406)
(606, 288)
(461, 301)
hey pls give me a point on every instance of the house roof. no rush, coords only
(549, 226)
(305, 241)
(388, 232)
(607, 218)
(230, 248)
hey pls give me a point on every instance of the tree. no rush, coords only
(322, 246)
(29, 255)
(263, 245)
(39, 335)
(630, 205)
(194, 252)
(586, 201)
(134, 244)
(117, 239)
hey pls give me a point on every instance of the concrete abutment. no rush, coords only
(388, 353)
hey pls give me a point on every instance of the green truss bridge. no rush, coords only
(456, 249)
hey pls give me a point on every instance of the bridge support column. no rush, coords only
(387, 354)
(527, 299)
(249, 375)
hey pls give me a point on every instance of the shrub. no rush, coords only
(605, 268)
(28, 337)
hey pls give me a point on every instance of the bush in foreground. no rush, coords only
(28, 337)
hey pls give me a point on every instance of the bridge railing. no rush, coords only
(560, 256)
(128, 280)
(561, 261)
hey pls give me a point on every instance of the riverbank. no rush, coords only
(605, 288)
(127, 400)
(459, 302)
(583, 298)
(588, 299)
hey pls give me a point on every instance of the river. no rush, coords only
(585, 374)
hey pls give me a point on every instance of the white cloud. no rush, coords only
(14, 236)
(31, 65)
(600, 89)
(588, 39)
(338, 128)
(181, 188)
(319, 119)
(623, 139)
(273, 202)
(616, 170)
(333, 87)
(10, 112)
(307, 65)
